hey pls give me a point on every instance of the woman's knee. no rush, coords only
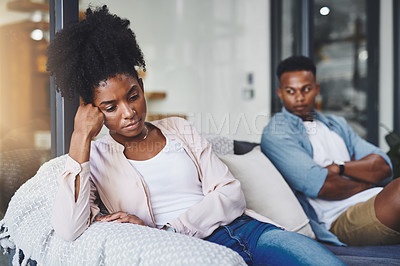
(292, 248)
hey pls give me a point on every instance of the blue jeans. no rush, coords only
(265, 244)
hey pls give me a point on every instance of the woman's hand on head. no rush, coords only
(88, 120)
(120, 217)
(88, 123)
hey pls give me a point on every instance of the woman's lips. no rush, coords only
(132, 126)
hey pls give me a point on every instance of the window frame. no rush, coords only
(396, 65)
(62, 112)
(303, 32)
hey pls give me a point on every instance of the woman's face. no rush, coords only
(121, 100)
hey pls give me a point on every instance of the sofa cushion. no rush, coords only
(242, 147)
(26, 226)
(266, 191)
(220, 145)
(364, 255)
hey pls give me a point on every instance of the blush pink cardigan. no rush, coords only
(109, 176)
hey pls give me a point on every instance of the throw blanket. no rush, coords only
(26, 226)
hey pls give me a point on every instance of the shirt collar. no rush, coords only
(294, 119)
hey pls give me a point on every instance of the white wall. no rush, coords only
(386, 71)
(7, 17)
(200, 53)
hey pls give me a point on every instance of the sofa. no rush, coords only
(351, 255)
(26, 232)
(17, 166)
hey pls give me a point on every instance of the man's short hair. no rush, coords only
(296, 63)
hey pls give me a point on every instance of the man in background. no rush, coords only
(331, 169)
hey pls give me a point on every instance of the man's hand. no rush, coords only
(333, 168)
(363, 174)
(337, 187)
(372, 169)
(120, 217)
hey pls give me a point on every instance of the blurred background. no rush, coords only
(211, 61)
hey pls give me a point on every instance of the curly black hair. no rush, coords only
(296, 63)
(90, 51)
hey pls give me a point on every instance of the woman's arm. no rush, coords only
(74, 206)
(88, 123)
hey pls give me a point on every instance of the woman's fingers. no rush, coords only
(121, 217)
(113, 216)
(133, 219)
(88, 120)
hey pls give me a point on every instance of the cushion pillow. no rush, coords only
(26, 226)
(242, 147)
(219, 144)
(266, 191)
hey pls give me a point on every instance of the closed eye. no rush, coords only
(111, 108)
(133, 97)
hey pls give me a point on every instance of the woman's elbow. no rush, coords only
(68, 234)
(66, 231)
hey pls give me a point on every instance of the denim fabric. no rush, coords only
(285, 141)
(265, 244)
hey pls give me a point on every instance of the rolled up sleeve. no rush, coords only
(293, 161)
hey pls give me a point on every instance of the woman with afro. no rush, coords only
(161, 174)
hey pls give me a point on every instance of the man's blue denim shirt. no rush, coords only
(285, 142)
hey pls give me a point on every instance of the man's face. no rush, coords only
(297, 92)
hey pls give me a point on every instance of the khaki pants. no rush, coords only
(358, 226)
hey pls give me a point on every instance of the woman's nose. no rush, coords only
(128, 111)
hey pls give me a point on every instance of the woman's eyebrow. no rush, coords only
(134, 87)
(106, 102)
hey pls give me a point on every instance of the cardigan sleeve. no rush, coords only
(223, 197)
(71, 218)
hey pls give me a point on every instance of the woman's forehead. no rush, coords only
(120, 84)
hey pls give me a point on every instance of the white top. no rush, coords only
(162, 173)
(327, 147)
(110, 177)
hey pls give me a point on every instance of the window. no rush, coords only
(344, 43)
(24, 94)
(396, 23)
